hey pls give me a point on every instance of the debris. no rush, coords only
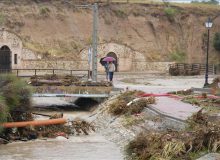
(204, 135)
(182, 92)
(54, 80)
(128, 103)
(68, 80)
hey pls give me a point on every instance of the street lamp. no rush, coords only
(208, 25)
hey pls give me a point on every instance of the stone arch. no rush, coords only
(112, 54)
(14, 43)
(5, 58)
(125, 56)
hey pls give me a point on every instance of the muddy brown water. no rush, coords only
(91, 147)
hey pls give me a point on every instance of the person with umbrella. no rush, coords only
(111, 70)
(109, 67)
(105, 64)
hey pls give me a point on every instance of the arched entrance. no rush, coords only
(5, 59)
(112, 54)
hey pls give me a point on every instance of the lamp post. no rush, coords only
(208, 25)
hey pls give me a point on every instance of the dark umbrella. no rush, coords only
(102, 62)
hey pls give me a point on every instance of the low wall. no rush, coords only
(83, 65)
(151, 66)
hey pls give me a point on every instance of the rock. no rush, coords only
(210, 156)
(61, 138)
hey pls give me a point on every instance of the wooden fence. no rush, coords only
(191, 69)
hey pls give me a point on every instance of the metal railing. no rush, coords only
(39, 72)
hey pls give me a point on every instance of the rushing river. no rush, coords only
(91, 147)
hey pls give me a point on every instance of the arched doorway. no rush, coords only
(112, 54)
(5, 59)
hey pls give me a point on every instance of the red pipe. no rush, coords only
(34, 123)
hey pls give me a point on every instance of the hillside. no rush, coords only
(59, 29)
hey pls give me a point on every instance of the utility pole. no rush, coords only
(94, 42)
(94, 8)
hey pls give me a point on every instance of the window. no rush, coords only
(15, 59)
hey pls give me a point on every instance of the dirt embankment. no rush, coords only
(122, 129)
(143, 133)
(161, 33)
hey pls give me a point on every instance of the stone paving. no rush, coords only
(175, 108)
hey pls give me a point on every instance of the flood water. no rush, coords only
(92, 147)
(83, 147)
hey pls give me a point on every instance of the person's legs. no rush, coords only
(106, 76)
(111, 76)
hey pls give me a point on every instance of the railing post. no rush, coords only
(17, 72)
(71, 72)
(53, 71)
(88, 74)
(35, 72)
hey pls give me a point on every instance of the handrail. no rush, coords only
(43, 69)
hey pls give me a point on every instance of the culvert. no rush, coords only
(86, 103)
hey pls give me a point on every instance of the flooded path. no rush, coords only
(92, 147)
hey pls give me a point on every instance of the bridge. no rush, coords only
(83, 95)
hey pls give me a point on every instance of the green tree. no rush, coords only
(216, 41)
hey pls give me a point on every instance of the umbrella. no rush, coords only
(102, 62)
(108, 59)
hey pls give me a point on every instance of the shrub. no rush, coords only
(44, 11)
(178, 56)
(170, 13)
(3, 112)
(216, 41)
(17, 97)
(120, 13)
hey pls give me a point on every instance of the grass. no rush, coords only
(44, 11)
(178, 56)
(170, 13)
(120, 13)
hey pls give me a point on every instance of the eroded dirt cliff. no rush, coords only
(60, 29)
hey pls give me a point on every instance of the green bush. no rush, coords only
(216, 41)
(170, 13)
(17, 97)
(178, 56)
(4, 113)
(44, 11)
